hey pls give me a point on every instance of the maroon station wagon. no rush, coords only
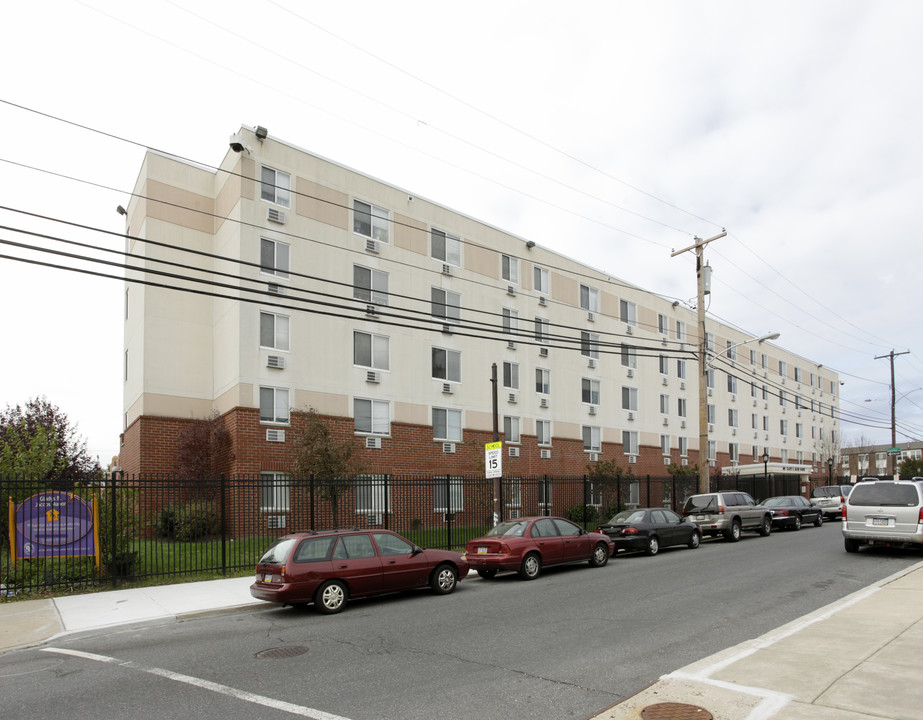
(527, 544)
(329, 567)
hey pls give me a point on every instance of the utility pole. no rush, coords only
(892, 458)
(496, 422)
(700, 273)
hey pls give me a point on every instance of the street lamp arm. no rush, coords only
(762, 338)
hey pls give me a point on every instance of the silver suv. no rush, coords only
(830, 499)
(884, 512)
(727, 514)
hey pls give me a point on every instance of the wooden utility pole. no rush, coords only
(892, 458)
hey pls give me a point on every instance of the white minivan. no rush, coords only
(884, 512)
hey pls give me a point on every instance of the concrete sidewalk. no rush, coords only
(860, 658)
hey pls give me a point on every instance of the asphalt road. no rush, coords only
(567, 645)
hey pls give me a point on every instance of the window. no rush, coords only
(663, 324)
(783, 427)
(731, 349)
(710, 379)
(629, 356)
(370, 285)
(680, 331)
(371, 351)
(765, 393)
(734, 452)
(630, 441)
(664, 365)
(371, 492)
(628, 312)
(446, 248)
(370, 221)
(683, 446)
(510, 320)
(447, 425)
(710, 413)
(591, 438)
(446, 364)
(712, 449)
(764, 361)
(681, 407)
(629, 398)
(589, 344)
(126, 367)
(274, 258)
(543, 432)
(732, 418)
(275, 186)
(511, 375)
(590, 391)
(541, 330)
(782, 368)
(372, 416)
(512, 489)
(273, 405)
(681, 369)
(541, 279)
(446, 305)
(753, 392)
(754, 421)
(273, 331)
(449, 487)
(732, 384)
(753, 357)
(765, 423)
(782, 397)
(710, 342)
(511, 429)
(389, 544)
(509, 269)
(664, 404)
(664, 444)
(799, 430)
(275, 492)
(589, 298)
(798, 374)
(543, 381)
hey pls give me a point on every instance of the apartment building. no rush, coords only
(297, 283)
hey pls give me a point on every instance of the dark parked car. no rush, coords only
(793, 511)
(330, 567)
(650, 529)
(528, 544)
(727, 514)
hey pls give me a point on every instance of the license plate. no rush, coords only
(701, 518)
(880, 522)
(482, 551)
(267, 578)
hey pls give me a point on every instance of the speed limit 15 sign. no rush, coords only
(493, 459)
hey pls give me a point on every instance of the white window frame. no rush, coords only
(279, 326)
(628, 312)
(511, 375)
(681, 407)
(510, 320)
(279, 399)
(664, 444)
(543, 381)
(281, 258)
(542, 334)
(275, 492)
(630, 442)
(370, 494)
(683, 446)
(456, 494)
(589, 344)
(664, 404)
(451, 420)
(379, 357)
(589, 298)
(378, 221)
(541, 279)
(512, 432)
(370, 285)
(378, 415)
(681, 369)
(509, 269)
(543, 432)
(452, 369)
(275, 186)
(592, 438)
(445, 305)
(629, 398)
(589, 391)
(450, 252)
(663, 324)
(681, 331)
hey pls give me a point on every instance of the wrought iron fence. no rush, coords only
(61, 534)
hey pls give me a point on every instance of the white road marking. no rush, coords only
(205, 685)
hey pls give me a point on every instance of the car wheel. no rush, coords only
(487, 573)
(330, 597)
(531, 566)
(653, 545)
(695, 540)
(797, 524)
(443, 580)
(600, 555)
(851, 545)
(733, 535)
(766, 526)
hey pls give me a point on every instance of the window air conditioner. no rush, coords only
(682, 386)
(275, 215)
(514, 452)
(545, 454)
(371, 310)
(710, 392)
(448, 448)
(446, 269)
(631, 416)
(666, 461)
(543, 352)
(447, 329)
(275, 361)
(682, 424)
(666, 421)
(374, 519)
(373, 443)
(543, 402)
(592, 409)
(542, 300)
(631, 372)
(629, 330)
(511, 345)
(510, 290)
(590, 317)
(373, 376)
(274, 289)
(632, 459)
(591, 363)
(594, 457)
(513, 398)
(664, 381)
(275, 435)
(684, 462)
(275, 522)
(447, 388)
(371, 245)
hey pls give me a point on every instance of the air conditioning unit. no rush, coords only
(275, 522)
(591, 363)
(371, 310)
(590, 316)
(592, 410)
(447, 388)
(754, 403)
(447, 329)
(711, 428)
(371, 246)
(594, 457)
(373, 443)
(545, 454)
(510, 290)
(783, 409)
(710, 392)
(275, 361)
(733, 431)
(373, 519)
(543, 402)
(682, 386)
(631, 372)
(542, 300)
(783, 381)
(733, 398)
(373, 376)
(275, 435)
(666, 461)
(514, 452)
(448, 448)
(513, 398)
(629, 330)
(664, 381)
(514, 514)
(666, 421)
(663, 341)
(543, 352)
(755, 435)
(631, 416)
(446, 269)
(275, 215)
(684, 462)
(511, 345)
(682, 424)
(632, 459)
(711, 463)
(274, 289)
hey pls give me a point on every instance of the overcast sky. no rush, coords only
(613, 132)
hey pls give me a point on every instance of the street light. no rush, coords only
(762, 338)
(765, 459)
(830, 470)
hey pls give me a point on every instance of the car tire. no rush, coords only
(733, 535)
(819, 520)
(695, 540)
(766, 526)
(443, 579)
(797, 524)
(653, 546)
(487, 573)
(331, 597)
(600, 555)
(851, 545)
(531, 566)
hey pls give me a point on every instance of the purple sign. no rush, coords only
(54, 524)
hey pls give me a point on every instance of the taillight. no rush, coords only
(843, 512)
(780, 512)
(920, 519)
(721, 509)
(504, 549)
(629, 531)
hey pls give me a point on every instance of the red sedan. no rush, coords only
(528, 544)
(329, 567)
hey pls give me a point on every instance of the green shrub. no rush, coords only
(579, 515)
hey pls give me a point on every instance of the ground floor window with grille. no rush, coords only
(544, 496)
(372, 494)
(275, 492)
(451, 488)
(513, 492)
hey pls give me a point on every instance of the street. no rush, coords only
(567, 645)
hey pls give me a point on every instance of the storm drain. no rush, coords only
(675, 711)
(278, 653)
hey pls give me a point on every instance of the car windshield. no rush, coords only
(514, 528)
(700, 503)
(278, 552)
(627, 516)
(846, 489)
(884, 494)
(828, 491)
(778, 501)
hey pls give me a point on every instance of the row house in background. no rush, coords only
(283, 282)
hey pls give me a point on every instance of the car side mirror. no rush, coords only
(416, 550)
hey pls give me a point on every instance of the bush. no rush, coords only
(612, 510)
(583, 513)
(193, 521)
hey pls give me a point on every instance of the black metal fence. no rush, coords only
(63, 535)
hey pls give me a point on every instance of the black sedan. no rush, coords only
(793, 511)
(650, 529)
